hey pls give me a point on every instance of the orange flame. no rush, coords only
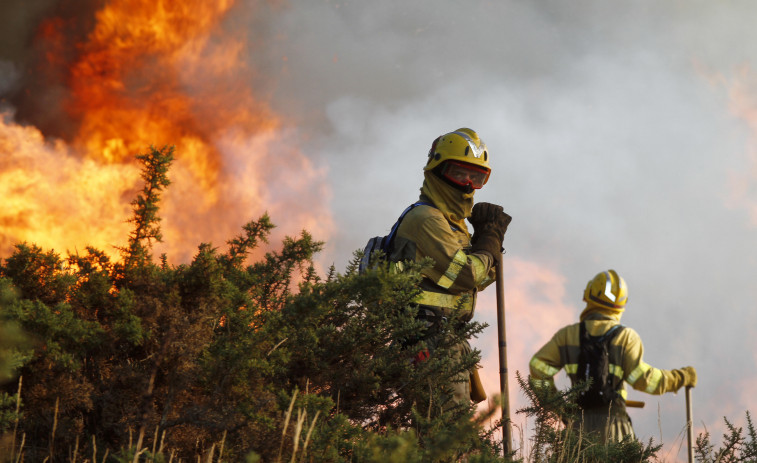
(154, 73)
(50, 197)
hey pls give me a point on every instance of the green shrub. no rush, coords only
(188, 360)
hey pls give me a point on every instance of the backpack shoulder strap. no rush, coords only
(611, 333)
(388, 243)
(607, 337)
(582, 332)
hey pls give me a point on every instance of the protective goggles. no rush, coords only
(464, 174)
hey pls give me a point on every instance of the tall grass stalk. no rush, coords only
(147, 397)
(76, 450)
(15, 420)
(307, 436)
(20, 448)
(137, 451)
(286, 425)
(154, 443)
(55, 426)
(211, 452)
(223, 443)
(163, 441)
(297, 432)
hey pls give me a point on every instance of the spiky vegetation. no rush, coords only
(222, 356)
(737, 447)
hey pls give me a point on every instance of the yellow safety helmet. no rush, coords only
(607, 289)
(462, 145)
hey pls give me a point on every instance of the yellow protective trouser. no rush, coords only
(461, 382)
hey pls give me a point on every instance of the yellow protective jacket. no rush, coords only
(457, 272)
(626, 359)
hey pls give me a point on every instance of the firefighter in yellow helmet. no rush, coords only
(458, 165)
(606, 296)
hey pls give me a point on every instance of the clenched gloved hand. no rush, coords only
(483, 213)
(689, 376)
(489, 226)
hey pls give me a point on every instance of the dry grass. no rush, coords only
(158, 450)
(297, 434)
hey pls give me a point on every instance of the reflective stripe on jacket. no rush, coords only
(456, 274)
(626, 359)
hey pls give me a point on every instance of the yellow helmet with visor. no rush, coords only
(465, 147)
(607, 289)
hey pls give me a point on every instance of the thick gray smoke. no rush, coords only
(29, 83)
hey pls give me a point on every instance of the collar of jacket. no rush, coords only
(597, 312)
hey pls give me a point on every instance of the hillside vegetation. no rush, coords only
(224, 359)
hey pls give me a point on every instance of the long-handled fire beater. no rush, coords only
(689, 425)
(502, 339)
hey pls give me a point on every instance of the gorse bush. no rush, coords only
(737, 447)
(222, 357)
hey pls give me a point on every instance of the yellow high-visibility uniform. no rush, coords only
(457, 273)
(626, 362)
(439, 232)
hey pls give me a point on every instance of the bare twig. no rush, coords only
(276, 347)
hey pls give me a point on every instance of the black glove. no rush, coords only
(489, 226)
(483, 213)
